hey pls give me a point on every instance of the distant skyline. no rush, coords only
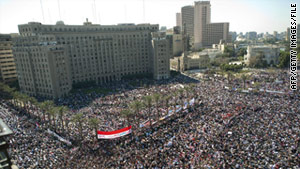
(243, 15)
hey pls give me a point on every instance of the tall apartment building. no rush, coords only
(50, 58)
(162, 52)
(178, 20)
(204, 33)
(187, 18)
(7, 64)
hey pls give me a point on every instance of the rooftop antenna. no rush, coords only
(42, 11)
(59, 9)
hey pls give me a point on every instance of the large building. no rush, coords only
(162, 52)
(52, 58)
(178, 20)
(5, 133)
(187, 18)
(177, 43)
(201, 31)
(7, 64)
(271, 53)
(251, 35)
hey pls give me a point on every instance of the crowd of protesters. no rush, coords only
(222, 129)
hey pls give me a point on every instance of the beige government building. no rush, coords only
(7, 64)
(50, 58)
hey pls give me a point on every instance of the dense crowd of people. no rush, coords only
(222, 129)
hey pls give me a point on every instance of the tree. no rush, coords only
(33, 102)
(78, 120)
(284, 59)
(127, 113)
(61, 112)
(258, 61)
(148, 103)
(229, 76)
(180, 91)
(244, 78)
(156, 97)
(137, 106)
(16, 97)
(46, 106)
(167, 99)
(242, 52)
(6, 91)
(232, 67)
(53, 112)
(229, 51)
(94, 123)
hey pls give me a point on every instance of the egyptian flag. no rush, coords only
(113, 134)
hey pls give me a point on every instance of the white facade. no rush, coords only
(271, 53)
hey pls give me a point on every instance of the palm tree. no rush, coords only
(136, 106)
(25, 99)
(148, 104)
(78, 118)
(6, 91)
(156, 97)
(32, 102)
(94, 123)
(16, 96)
(180, 91)
(175, 94)
(244, 78)
(167, 99)
(229, 76)
(47, 106)
(53, 112)
(126, 113)
(61, 112)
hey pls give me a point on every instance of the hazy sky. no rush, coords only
(243, 15)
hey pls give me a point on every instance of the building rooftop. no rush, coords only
(4, 129)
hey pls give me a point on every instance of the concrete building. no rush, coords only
(7, 64)
(201, 31)
(187, 16)
(5, 133)
(233, 36)
(177, 41)
(275, 35)
(251, 35)
(270, 53)
(178, 20)
(162, 52)
(52, 58)
(214, 32)
(221, 46)
(202, 15)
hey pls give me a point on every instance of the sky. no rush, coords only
(243, 15)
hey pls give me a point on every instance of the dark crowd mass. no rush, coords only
(224, 128)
